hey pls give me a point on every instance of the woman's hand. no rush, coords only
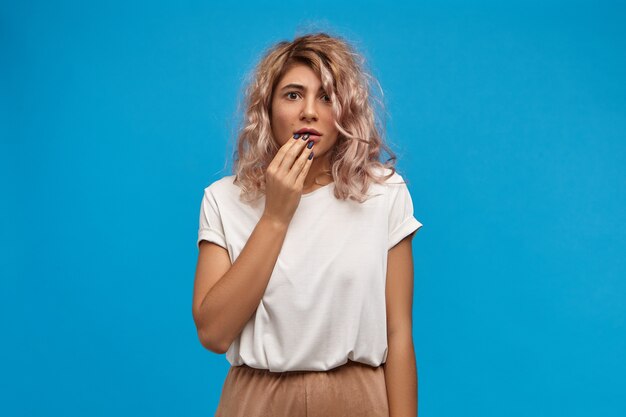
(284, 179)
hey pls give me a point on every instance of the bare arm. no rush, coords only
(226, 308)
(226, 296)
(400, 367)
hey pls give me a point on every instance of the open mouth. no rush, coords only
(314, 138)
(309, 131)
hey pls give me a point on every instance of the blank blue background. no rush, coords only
(508, 122)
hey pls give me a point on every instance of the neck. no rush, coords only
(319, 173)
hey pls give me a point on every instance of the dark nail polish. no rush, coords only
(305, 136)
(310, 144)
(311, 156)
(296, 136)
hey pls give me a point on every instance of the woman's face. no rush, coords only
(298, 102)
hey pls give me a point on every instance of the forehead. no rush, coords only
(300, 74)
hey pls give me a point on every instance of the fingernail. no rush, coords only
(305, 137)
(296, 136)
(310, 144)
(311, 156)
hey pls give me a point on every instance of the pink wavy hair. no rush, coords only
(355, 158)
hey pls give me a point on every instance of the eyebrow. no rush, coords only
(298, 87)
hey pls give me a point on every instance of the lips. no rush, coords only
(308, 130)
(314, 135)
(314, 138)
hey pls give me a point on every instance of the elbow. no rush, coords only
(211, 343)
(209, 337)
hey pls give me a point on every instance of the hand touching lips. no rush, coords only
(313, 134)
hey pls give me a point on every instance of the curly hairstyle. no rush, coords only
(355, 158)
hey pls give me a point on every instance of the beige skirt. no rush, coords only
(354, 389)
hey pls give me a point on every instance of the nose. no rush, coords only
(309, 112)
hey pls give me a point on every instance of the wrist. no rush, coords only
(273, 222)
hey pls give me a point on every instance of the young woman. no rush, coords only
(305, 271)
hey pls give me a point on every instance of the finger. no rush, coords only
(299, 164)
(276, 161)
(291, 154)
(278, 158)
(307, 165)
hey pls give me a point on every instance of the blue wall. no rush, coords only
(509, 123)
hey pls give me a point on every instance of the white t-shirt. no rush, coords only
(325, 300)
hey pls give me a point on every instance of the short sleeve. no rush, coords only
(211, 227)
(401, 220)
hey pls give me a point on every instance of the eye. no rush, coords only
(290, 96)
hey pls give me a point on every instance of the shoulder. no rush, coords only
(394, 180)
(221, 193)
(390, 185)
(221, 187)
(395, 188)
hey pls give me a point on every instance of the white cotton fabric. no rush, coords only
(325, 300)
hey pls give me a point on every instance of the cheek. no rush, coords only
(282, 122)
(328, 116)
(282, 113)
